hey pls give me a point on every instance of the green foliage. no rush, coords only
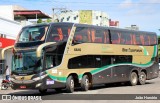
(39, 21)
(49, 20)
(159, 45)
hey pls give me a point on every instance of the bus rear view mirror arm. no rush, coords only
(3, 51)
(39, 49)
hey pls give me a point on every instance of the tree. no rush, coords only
(39, 21)
(48, 20)
(159, 45)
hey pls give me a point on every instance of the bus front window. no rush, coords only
(36, 33)
(26, 63)
(59, 32)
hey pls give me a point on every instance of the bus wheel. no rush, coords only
(70, 84)
(85, 83)
(42, 91)
(133, 79)
(142, 78)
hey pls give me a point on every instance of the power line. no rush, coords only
(97, 3)
(108, 3)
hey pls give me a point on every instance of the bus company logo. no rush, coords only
(131, 50)
(6, 97)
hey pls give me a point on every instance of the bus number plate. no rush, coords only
(22, 86)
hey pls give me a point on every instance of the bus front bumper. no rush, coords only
(32, 84)
(26, 84)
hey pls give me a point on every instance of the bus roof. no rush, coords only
(87, 25)
(113, 28)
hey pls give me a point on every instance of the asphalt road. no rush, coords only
(107, 93)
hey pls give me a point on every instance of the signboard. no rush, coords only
(4, 42)
(85, 16)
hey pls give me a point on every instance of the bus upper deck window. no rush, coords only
(56, 38)
(77, 39)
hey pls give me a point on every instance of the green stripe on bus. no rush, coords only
(113, 65)
(97, 70)
(63, 79)
(57, 78)
(154, 53)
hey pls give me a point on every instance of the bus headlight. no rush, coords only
(39, 84)
(40, 77)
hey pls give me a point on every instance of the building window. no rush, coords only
(3, 36)
(62, 19)
(68, 18)
(97, 17)
(74, 18)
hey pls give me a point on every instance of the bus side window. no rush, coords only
(106, 37)
(98, 36)
(152, 40)
(89, 35)
(146, 40)
(93, 35)
(155, 40)
(78, 62)
(77, 38)
(69, 30)
(115, 37)
(128, 39)
(142, 39)
(123, 38)
(136, 39)
(60, 33)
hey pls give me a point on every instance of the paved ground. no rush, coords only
(151, 87)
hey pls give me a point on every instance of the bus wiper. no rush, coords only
(32, 59)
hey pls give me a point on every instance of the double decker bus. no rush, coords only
(68, 55)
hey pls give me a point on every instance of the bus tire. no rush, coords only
(142, 78)
(70, 84)
(85, 83)
(42, 91)
(133, 79)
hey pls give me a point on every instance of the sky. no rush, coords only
(143, 13)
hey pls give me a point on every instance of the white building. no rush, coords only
(12, 19)
(133, 27)
(8, 32)
(98, 18)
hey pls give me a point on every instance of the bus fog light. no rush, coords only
(37, 78)
(39, 84)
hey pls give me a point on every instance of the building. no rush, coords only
(12, 19)
(98, 18)
(113, 23)
(133, 27)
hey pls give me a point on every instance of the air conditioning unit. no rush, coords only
(3, 35)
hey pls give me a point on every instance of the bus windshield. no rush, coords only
(36, 33)
(26, 63)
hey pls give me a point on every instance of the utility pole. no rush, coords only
(60, 9)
